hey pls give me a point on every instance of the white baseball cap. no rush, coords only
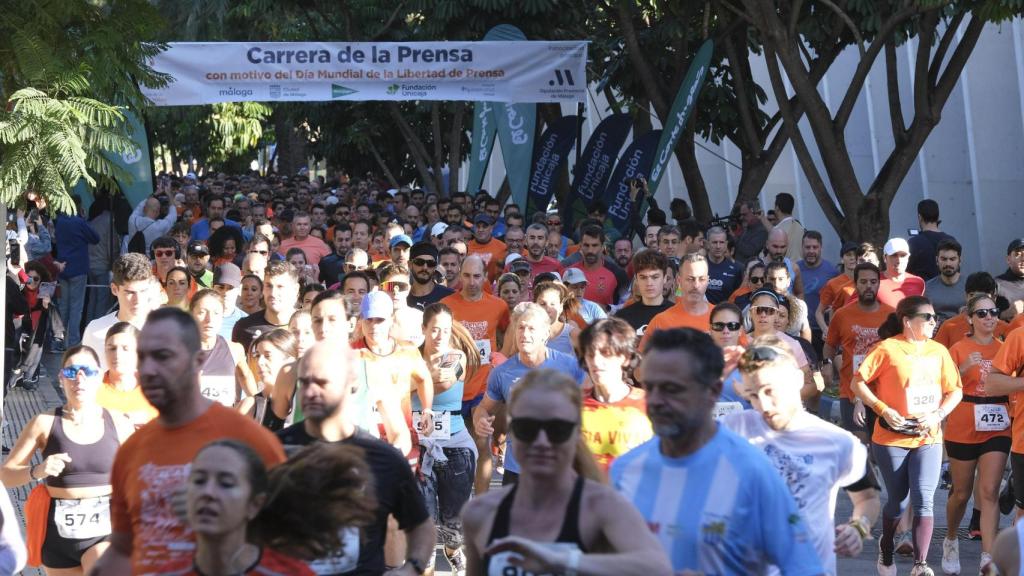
(895, 245)
(438, 229)
(574, 276)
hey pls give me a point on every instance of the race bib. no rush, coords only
(82, 519)
(723, 408)
(442, 429)
(500, 565)
(990, 418)
(484, 348)
(857, 359)
(219, 389)
(342, 561)
(923, 399)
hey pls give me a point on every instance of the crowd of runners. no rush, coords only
(310, 376)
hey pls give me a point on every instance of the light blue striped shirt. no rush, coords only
(722, 510)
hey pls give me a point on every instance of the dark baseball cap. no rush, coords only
(848, 246)
(1015, 244)
(197, 247)
(483, 219)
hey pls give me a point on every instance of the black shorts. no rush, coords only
(968, 452)
(1017, 471)
(846, 415)
(60, 552)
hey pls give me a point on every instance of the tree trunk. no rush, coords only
(455, 147)
(420, 156)
(383, 165)
(291, 144)
(438, 141)
(686, 154)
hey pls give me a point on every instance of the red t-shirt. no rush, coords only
(601, 285)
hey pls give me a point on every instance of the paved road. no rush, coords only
(21, 405)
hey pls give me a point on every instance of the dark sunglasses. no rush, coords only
(926, 316)
(424, 262)
(756, 279)
(262, 252)
(163, 253)
(986, 312)
(33, 279)
(527, 429)
(353, 267)
(762, 353)
(394, 286)
(766, 310)
(720, 326)
(71, 371)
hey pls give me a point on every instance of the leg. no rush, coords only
(925, 468)
(1017, 478)
(990, 473)
(93, 554)
(484, 465)
(64, 571)
(64, 309)
(893, 466)
(454, 488)
(962, 473)
(76, 307)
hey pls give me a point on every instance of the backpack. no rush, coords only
(137, 243)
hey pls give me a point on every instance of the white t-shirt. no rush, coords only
(815, 458)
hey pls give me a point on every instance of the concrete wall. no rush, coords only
(972, 164)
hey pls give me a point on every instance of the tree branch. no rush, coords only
(388, 23)
(957, 62)
(640, 64)
(743, 15)
(794, 16)
(944, 43)
(849, 24)
(924, 50)
(435, 128)
(417, 150)
(748, 130)
(892, 77)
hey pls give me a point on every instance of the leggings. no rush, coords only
(913, 471)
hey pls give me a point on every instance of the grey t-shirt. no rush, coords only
(947, 300)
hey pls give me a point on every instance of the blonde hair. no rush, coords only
(547, 380)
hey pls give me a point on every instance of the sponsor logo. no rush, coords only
(338, 91)
(393, 89)
(275, 90)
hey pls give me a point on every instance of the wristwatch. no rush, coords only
(417, 566)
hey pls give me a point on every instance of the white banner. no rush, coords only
(210, 72)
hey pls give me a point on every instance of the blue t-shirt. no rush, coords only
(448, 401)
(722, 510)
(729, 390)
(74, 235)
(814, 280)
(723, 279)
(502, 378)
(201, 229)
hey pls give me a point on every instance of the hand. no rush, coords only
(46, 301)
(893, 417)
(529, 555)
(52, 466)
(732, 358)
(60, 266)
(404, 570)
(483, 423)
(426, 423)
(973, 359)
(848, 541)
(446, 375)
(929, 422)
(859, 414)
(20, 213)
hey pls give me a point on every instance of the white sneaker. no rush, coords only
(950, 556)
(921, 569)
(904, 544)
(986, 566)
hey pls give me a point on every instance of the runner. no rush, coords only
(448, 455)
(328, 382)
(531, 335)
(764, 307)
(650, 269)
(958, 327)
(250, 300)
(589, 312)
(280, 296)
(424, 259)
(121, 391)
(301, 327)
(407, 323)
(726, 331)
(1007, 378)
(839, 288)
(135, 288)
(553, 297)
(510, 287)
(914, 386)
(898, 283)
(246, 520)
(557, 517)
(713, 501)
(851, 335)
(814, 457)
(271, 354)
(614, 410)
(692, 310)
(225, 374)
(485, 317)
(68, 515)
(977, 434)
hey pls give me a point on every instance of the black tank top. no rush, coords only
(90, 463)
(569, 534)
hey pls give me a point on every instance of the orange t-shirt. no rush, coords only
(960, 427)
(1010, 361)
(740, 292)
(855, 332)
(132, 403)
(1017, 322)
(153, 465)
(956, 329)
(836, 292)
(482, 318)
(677, 317)
(492, 253)
(911, 379)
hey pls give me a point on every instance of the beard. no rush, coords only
(590, 259)
(867, 298)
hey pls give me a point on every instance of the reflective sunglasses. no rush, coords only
(766, 310)
(527, 429)
(425, 262)
(33, 279)
(163, 253)
(762, 353)
(71, 371)
(756, 279)
(394, 286)
(261, 252)
(926, 316)
(986, 312)
(720, 326)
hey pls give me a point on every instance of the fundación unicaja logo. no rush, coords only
(393, 89)
(338, 91)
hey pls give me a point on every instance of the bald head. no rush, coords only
(152, 207)
(777, 244)
(472, 277)
(325, 373)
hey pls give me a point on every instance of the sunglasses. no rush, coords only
(424, 262)
(71, 371)
(756, 279)
(33, 279)
(765, 310)
(926, 316)
(762, 353)
(163, 253)
(261, 252)
(986, 312)
(394, 286)
(354, 267)
(720, 326)
(527, 429)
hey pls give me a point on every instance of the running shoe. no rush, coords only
(457, 560)
(950, 556)
(987, 567)
(1006, 498)
(904, 543)
(974, 534)
(921, 569)
(884, 570)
